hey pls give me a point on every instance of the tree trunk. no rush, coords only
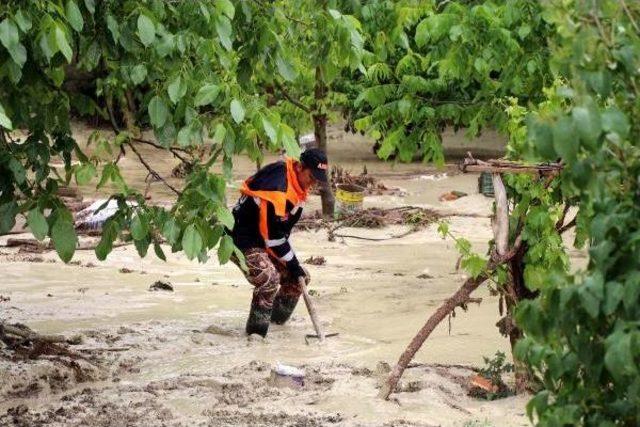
(517, 292)
(320, 133)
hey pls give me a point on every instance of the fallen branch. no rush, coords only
(101, 349)
(462, 296)
(470, 164)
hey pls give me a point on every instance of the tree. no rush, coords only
(581, 334)
(191, 71)
(321, 41)
(437, 64)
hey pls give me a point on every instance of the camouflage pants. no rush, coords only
(270, 278)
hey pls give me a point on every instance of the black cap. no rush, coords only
(316, 160)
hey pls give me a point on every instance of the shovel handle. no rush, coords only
(311, 309)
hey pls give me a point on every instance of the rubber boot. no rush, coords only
(283, 307)
(258, 321)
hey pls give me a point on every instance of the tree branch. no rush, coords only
(288, 97)
(174, 150)
(500, 256)
(151, 170)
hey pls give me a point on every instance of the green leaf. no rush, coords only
(223, 28)
(269, 130)
(588, 125)
(138, 74)
(146, 30)
(285, 68)
(614, 295)
(5, 122)
(142, 246)
(158, 112)
(288, 138)
(226, 7)
(159, 252)
(541, 137)
(8, 212)
(171, 231)
(9, 36)
(139, 228)
(113, 27)
(619, 358)
(85, 173)
(64, 238)
(237, 111)
(206, 95)
(90, 5)
(177, 89)
(184, 137)
(225, 249)
(23, 21)
(10, 39)
(422, 33)
(38, 224)
(192, 242)
(564, 139)
(63, 43)
(74, 16)
(443, 229)
(241, 259)
(614, 120)
(225, 217)
(219, 135)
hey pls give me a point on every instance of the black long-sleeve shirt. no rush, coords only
(247, 213)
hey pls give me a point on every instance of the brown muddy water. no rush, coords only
(181, 358)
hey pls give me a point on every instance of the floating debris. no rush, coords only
(316, 260)
(452, 195)
(161, 286)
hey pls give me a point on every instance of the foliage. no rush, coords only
(583, 336)
(434, 64)
(493, 370)
(194, 72)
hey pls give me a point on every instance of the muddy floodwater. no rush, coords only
(181, 357)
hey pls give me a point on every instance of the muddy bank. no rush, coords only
(143, 386)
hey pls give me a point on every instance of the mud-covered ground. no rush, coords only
(181, 358)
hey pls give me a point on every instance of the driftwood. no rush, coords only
(470, 164)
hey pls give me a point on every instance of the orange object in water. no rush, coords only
(484, 384)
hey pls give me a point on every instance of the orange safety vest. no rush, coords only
(293, 193)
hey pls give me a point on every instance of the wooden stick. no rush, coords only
(311, 309)
(460, 297)
(510, 169)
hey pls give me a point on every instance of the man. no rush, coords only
(270, 205)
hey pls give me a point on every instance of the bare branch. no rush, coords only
(153, 173)
(174, 150)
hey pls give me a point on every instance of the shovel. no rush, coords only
(313, 314)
